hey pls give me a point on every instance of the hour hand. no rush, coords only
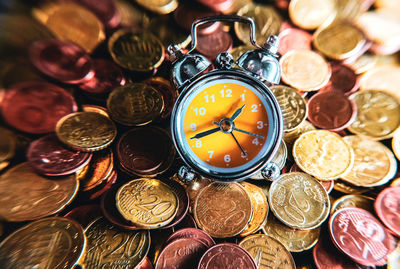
(205, 133)
(237, 113)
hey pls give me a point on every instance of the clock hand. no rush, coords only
(249, 133)
(237, 113)
(237, 142)
(205, 133)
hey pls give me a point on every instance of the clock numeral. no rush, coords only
(227, 158)
(211, 152)
(260, 124)
(226, 93)
(198, 144)
(254, 108)
(255, 141)
(193, 127)
(243, 97)
(199, 111)
(208, 98)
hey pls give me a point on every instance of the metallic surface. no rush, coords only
(343, 79)
(353, 200)
(294, 38)
(387, 207)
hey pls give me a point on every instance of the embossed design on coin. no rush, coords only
(108, 246)
(299, 200)
(221, 255)
(387, 206)
(323, 154)
(343, 79)
(86, 131)
(52, 243)
(290, 137)
(49, 157)
(374, 164)
(222, 209)
(135, 104)
(359, 235)
(140, 52)
(293, 106)
(148, 203)
(294, 240)
(267, 252)
(193, 233)
(378, 114)
(25, 195)
(168, 92)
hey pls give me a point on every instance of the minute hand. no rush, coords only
(249, 133)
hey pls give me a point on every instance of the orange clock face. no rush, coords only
(226, 123)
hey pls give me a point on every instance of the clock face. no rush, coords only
(225, 125)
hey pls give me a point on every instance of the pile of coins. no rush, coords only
(88, 168)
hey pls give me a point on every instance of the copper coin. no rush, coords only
(145, 264)
(210, 45)
(181, 253)
(183, 204)
(387, 206)
(36, 107)
(217, 5)
(222, 209)
(168, 92)
(142, 151)
(110, 211)
(192, 233)
(61, 60)
(84, 214)
(293, 38)
(107, 77)
(343, 79)
(358, 234)
(227, 255)
(97, 192)
(331, 110)
(48, 156)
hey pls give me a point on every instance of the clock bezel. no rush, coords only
(276, 125)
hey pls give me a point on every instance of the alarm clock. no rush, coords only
(226, 124)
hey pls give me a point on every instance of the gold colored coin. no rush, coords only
(364, 63)
(139, 52)
(310, 14)
(93, 108)
(374, 164)
(293, 239)
(222, 209)
(304, 127)
(109, 246)
(385, 78)
(396, 144)
(86, 131)
(305, 70)
(166, 29)
(395, 182)
(135, 104)
(293, 106)
(267, 252)
(131, 15)
(268, 22)
(353, 200)
(240, 50)
(260, 208)
(70, 21)
(46, 243)
(26, 195)
(323, 154)
(347, 188)
(339, 41)
(159, 6)
(349, 9)
(299, 201)
(394, 258)
(148, 203)
(378, 114)
(7, 146)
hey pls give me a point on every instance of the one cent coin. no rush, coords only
(148, 203)
(62, 60)
(293, 106)
(353, 200)
(222, 210)
(293, 38)
(360, 235)
(48, 156)
(343, 79)
(267, 252)
(305, 70)
(378, 114)
(387, 206)
(226, 254)
(53, 243)
(331, 110)
(135, 104)
(374, 163)
(323, 154)
(86, 131)
(192, 233)
(212, 44)
(299, 201)
(136, 51)
(35, 107)
(25, 195)
(108, 245)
